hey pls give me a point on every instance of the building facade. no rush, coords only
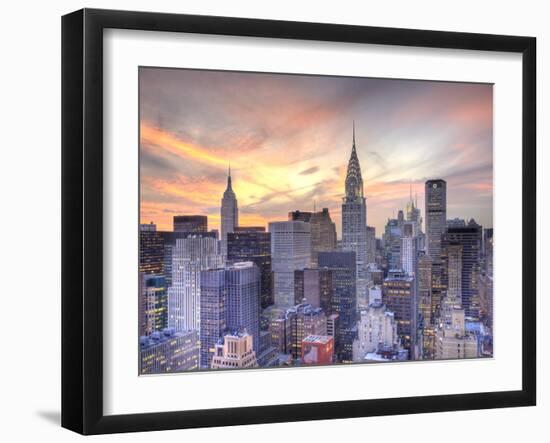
(323, 234)
(314, 286)
(436, 216)
(169, 351)
(151, 250)
(153, 304)
(229, 304)
(190, 256)
(236, 352)
(304, 321)
(376, 329)
(255, 246)
(469, 237)
(399, 297)
(290, 251)
(190, 223)
(344, 299)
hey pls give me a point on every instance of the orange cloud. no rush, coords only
(150, 135)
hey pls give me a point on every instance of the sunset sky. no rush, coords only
(288, 139)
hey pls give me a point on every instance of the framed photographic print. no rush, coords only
(269, 221)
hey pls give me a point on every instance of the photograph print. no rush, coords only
(292, 220)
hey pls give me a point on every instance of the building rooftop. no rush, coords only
(163, 336)
(321, 339)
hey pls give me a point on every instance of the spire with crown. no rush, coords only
(354, 181)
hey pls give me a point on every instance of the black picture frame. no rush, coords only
(82, 218)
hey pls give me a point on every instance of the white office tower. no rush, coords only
(290, 251)
(376, 329)
(190, 256)
(354, 220)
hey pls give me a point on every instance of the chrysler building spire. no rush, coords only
(354, 180)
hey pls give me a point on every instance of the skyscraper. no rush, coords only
(315, 287)
(229, 304)
(354, 219)
(469, 237)
(298, 215)
(399, 297)
(392, 243)
(290, 250)
(344, 298)
(453, 270)
(436, 216)
(169, 238)
(190, 223)
(190, 256)
(424, 284)
(151, 250)
(323, 234)
(254, 246)
(371, 245)
(229, 213)
(409, 249)
(153, 304)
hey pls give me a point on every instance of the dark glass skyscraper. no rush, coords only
(151, 250)
(315, 287)
(254, 246)
(190, 223)
(469, 237)
(323, 234)
(436, 216)
(344, 298)
(399, 297)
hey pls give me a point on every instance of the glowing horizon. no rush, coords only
(288, 139)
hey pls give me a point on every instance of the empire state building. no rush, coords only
(354, 219)
(229, 213)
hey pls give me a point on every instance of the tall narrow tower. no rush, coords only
(229, 213)
(436, 216)
(354, 219)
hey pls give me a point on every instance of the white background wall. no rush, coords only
(30, 216)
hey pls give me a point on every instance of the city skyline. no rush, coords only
(275, 161)
(258, 279)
